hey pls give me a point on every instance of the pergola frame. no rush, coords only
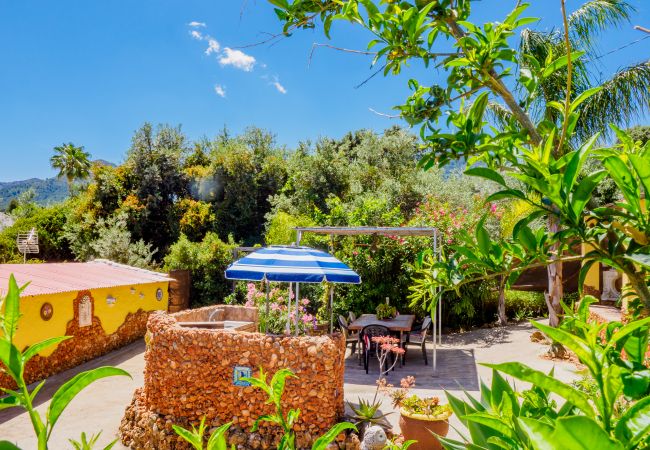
(389, 231)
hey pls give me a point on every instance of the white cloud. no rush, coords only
(213, 46)
(220, 90)
(195, 24)
(196, 35)
(281, 89)
(237, 59)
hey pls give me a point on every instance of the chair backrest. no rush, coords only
(426, 324)
(375, 330)
(343, 323)
(352, 316)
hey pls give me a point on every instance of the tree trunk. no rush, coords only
(501, 309)
(555, 288)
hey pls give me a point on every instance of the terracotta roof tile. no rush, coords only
(50, 278)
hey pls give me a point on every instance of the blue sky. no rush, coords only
(91, 72)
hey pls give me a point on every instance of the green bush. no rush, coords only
(49, 223)
(524, 304)
(207, 261)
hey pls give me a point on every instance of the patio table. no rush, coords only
(400, 324)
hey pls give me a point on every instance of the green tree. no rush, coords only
(477, 71)
(72, 162)
(207, 261)
(155, 177)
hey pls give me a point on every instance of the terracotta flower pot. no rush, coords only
(419, 428)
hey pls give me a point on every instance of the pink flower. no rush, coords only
(307, 318)
(249, 303)
(305, 301)
(493, 208)
(275, 307)
(281, 299)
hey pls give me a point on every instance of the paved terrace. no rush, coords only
(101, 406)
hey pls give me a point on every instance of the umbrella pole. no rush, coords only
(288, 329)
(266, 323)
(331, 309)
(297, 307)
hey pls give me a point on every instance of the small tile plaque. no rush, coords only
(241, 372)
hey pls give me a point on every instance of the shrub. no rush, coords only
(49, 223)
(207, 261)
(524, 304)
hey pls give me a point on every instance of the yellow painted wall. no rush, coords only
(593, 274)
(33, 329)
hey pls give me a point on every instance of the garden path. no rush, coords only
(102, 405)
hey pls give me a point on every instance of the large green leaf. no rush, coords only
(627, 330)
(9, 401)
(580, 347)
(322, 442)
(278, 382)
(485, 172)
(492, 421)
(217, 439)
(624, 179)
(11, 309)
(540, 379)
(636, 345)
(641, 165)
(6, 445)
(35, 349)
(11, 358)
(582, 193)
(560, 62)
(64, 395)
(194, 439)
(570, 433)
(576, 162)
(634, 426)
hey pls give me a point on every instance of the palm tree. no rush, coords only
(72, 162)
(622, 97)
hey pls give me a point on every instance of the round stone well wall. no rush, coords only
(191, 372)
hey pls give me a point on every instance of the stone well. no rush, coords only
(190, 366)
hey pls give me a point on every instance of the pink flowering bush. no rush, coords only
(450, 219)
(281, 317)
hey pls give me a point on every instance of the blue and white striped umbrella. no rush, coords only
(292, 265)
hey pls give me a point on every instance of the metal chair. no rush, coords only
(418, 338)
(369, 347)
(352, 316)
(350, 338)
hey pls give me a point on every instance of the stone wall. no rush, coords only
(85, 343)
(189, 375)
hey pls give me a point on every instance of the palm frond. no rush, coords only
(595, 17)
(624, 97)
(498, 115)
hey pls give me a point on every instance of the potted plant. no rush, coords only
(385, 312)
(421, 419)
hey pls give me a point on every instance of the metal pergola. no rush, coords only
(389, 231)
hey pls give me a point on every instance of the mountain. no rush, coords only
(46, 191)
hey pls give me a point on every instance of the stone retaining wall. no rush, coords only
(189, 375)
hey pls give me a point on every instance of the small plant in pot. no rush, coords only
(385, 312)
(421, 419)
